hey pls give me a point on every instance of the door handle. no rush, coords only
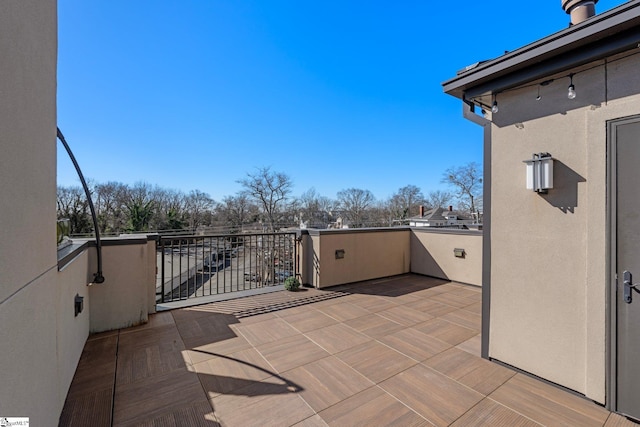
(628, 287)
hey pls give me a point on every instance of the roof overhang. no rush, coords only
(601, 36)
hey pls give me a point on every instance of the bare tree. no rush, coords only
(406, 201)
(236, 211)
(467, 180)
(313, 207)
(355, 202)
(439, 199)
(110, 201)
(384, 214)
(198, 205)
(72, 204)
(171, 209)
(270, 190)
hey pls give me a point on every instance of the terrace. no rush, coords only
(403, 350)
(366, 349)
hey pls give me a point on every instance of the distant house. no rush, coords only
(311, 223)
(561, 243)
(441, 217)
(338, 223)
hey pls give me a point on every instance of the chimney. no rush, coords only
(450, 208)
(421, 211)
(580, 10)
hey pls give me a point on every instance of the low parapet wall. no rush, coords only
(127, 296)
(447, 254)
(335, 257)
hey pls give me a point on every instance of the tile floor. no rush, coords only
(401, 351)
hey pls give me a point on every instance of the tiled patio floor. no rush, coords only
(401, 351)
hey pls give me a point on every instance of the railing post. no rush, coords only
(162, 269)
(297, 241)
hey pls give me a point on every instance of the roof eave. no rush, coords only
(610, 32)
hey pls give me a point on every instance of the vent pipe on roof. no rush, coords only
(580, 10)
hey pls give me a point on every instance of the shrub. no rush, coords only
(291, 284)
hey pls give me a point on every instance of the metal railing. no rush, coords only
(196, 266)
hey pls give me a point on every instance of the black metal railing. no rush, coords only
(196, 266)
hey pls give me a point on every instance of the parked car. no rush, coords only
(252, 277)
(282, 275)
(211, 262)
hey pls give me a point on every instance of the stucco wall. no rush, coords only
(72, 331)
(123, 299)
(368, 254)
(29, 374)
(28, 46)
(33, 305)
(305, 256)
(549, 252)
(432, 254)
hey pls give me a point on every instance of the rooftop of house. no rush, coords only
(441, 214)
(402, 350)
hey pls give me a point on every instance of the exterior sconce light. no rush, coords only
(571, 90)
(540, 172)
(459, 252)
(78, 305)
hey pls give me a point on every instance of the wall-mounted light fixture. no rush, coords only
(544, 83)
(571, 90)
(78, 305)
(540, 172)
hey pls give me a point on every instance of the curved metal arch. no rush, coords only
(97, 276)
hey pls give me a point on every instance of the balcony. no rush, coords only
(402, 350)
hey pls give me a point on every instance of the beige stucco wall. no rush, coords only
(42, 342)
(314, 256)
(305, 256)
(33, 375)
(549, 252)
(30, 386)
(28, 49)
(71, 331)
(128, 292)
(42, 339)
(152, 272)
(369, 254)
(432, 254)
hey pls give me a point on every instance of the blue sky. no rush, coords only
(195, 94)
